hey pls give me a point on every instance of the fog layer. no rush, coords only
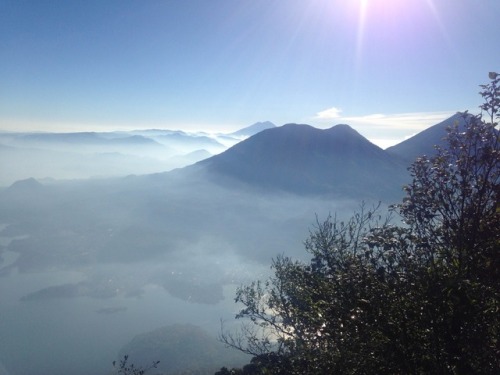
(88, 265)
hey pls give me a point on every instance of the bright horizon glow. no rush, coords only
(374, 127)
(384, 130)
(224, 65)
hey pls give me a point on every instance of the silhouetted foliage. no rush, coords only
(419, 297)
(122, 367)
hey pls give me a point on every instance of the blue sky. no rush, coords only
(389, 68)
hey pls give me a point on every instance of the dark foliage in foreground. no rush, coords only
(124, 368)
(417, 298)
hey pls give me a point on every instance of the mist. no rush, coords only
(87, 265)
(99, 155)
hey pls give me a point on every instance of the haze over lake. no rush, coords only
(156, 155)
(89, 264)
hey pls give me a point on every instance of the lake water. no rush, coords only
(83, 335)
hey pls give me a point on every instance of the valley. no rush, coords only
(88, 264)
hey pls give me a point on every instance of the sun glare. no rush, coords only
(390, 17)
(363, 4)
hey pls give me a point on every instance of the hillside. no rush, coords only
(305, 160)
(424, 142)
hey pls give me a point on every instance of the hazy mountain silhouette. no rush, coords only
(27, 186)
(253, 129)
(89, 138)
(302, 159)
(190, 158)
(424, 142)
(182, 140)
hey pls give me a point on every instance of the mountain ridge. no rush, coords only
(424, 142)
(253, 129)
(302, 159)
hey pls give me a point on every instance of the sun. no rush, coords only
(380, 15)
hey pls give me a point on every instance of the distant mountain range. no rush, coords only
(292, 158)
(89, 138)
(97, 154)
(337, 161)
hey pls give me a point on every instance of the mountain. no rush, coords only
(27, 186)
(80, 137)
(78, 155)
(85, 138)
(305, 160)
(189, 158)
(424, 142)
(189, 142)
(253, 129)
(88, 143)
(79, 161)
(99, 154)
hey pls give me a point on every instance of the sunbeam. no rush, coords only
(363, 5)
(437, 17)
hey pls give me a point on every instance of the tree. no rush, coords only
(452, 208)
(417, 297)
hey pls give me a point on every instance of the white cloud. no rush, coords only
(328, 114)
(384, 143)
(415, 121)
(412, 121)
(383, 129)
(389, 129)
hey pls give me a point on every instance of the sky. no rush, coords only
(388, 68)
